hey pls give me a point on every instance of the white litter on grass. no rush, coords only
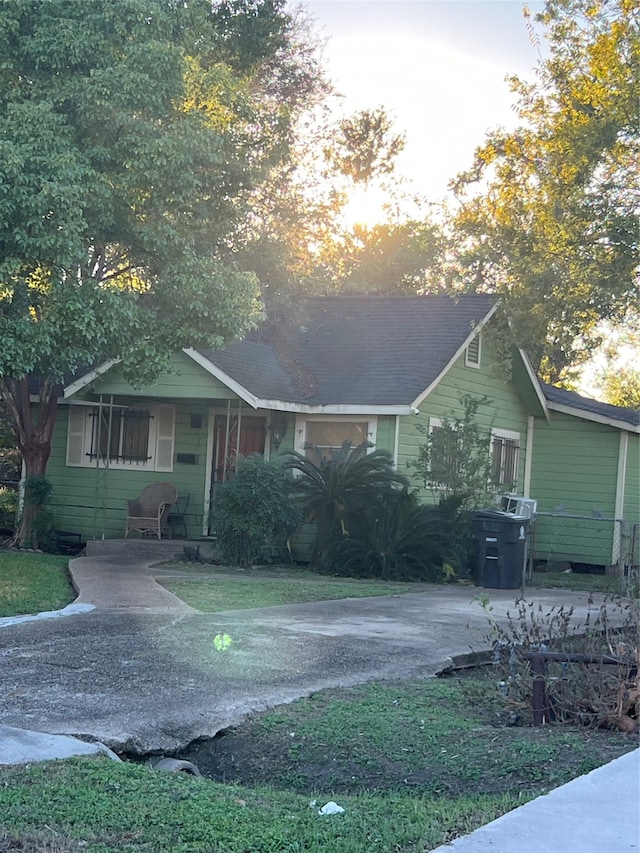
(331, 808)
(69, 610)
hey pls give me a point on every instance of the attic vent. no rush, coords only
(472, 355)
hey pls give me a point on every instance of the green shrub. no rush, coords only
(8, 509)
(254, 514)
(394, 538)
(37, 491)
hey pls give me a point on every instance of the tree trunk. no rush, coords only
(33, 427)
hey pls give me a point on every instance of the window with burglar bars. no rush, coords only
(444, 456)
(140, 439)
(505, 449)
(126, 439)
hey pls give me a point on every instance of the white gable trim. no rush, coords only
(461, 349)
(89, 377)
(544, 403)
(335, 408)
(223, 377)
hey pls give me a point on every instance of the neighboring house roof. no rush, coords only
(574, 404)
(361, 351)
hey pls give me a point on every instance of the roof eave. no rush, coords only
(88, 378)
(593, 416)
(337, 408)
(223, 377)
(535, 382)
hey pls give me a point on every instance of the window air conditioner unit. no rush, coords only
(523, 507)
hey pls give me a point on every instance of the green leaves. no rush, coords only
(554, 229)
(364, 145)
(128, 148)
(330, 488)
(131, 137)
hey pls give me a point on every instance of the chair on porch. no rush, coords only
(148, 512)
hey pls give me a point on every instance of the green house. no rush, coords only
(387, 369)
(358, 368)
(586, 480)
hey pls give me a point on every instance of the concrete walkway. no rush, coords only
(596, 813)
(114, 575)
(140, 673)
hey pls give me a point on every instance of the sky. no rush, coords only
(437, 66)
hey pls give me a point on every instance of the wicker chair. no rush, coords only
(148, 512)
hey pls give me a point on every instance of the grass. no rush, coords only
(235, 593)
(413, 764)
(104, 807)
(577, 581)
(31, 582)
(441, 737)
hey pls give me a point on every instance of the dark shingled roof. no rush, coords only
(576, 401)
(360, 350)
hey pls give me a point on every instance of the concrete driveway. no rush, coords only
(152, 681)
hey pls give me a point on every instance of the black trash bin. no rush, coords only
(500, 548)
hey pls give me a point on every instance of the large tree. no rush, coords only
(296, 235)
(132, 135)
(395, 256)
(552, 224)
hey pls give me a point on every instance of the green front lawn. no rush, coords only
(267, 589)
(414, 764)
(30, 583)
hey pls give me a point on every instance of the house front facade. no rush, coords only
(388, 370)
(362, 368)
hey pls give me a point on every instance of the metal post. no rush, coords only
(541, 710)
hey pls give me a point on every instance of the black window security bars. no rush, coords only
(445, 459)
(504, 461)
(120, 435)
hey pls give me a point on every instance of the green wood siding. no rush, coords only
(386, 433)
(505, 411)
(92, 501)
(184, 380)
(574, 473)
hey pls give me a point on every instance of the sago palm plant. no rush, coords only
(397, 539)
(331, 489)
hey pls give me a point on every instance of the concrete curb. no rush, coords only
(594, 813)
(20, 746)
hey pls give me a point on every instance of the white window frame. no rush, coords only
(467, 361)
(160, 448)
(302, 421)
(511, 435)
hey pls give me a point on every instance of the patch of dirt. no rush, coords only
(488, 758)
(237, 756)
